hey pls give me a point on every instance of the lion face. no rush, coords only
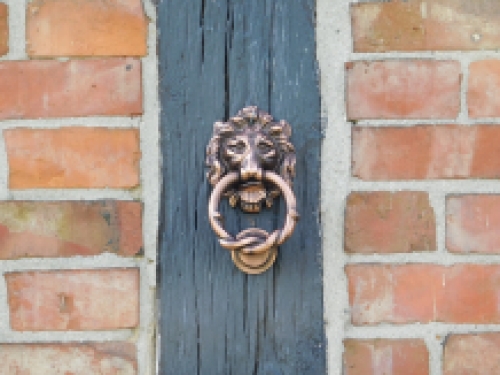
(250, 153)
(251, 143)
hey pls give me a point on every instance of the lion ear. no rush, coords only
(286, 128)
(216, 170)
(288, 168)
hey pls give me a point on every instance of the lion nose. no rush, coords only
(250, 168)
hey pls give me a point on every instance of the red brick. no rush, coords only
(424, 293)
(417, 25)
(61, 229)
(86, 28)
(385, 222)
(76, 157)
(484, 89)
(109, 358)
(403, 89)
(477, 354)
(73, 300)
(387, 357)
(4, 29)
(426, 152)
(33, 89)
(473, 224)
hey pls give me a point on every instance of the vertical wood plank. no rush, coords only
(217, 56)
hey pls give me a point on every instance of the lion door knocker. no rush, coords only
(251, 162)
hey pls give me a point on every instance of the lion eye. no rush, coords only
(264, 148)
(237, 147)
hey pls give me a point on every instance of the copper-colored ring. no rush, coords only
(274, 239)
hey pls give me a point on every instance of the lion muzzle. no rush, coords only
(250, 168)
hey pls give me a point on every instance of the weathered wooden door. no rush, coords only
(217, 56)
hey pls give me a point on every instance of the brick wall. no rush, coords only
(78, 186)
(413, 277)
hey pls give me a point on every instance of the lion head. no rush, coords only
(250, 143)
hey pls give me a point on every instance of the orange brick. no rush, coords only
(73, 300)
(403, 89)
(416, 25)
(76, 157)
(473, 224)
(474, 354)
(60, 229)
(4, 29)
(424, 293)
(86, 28)
(387, 357)
(484, 91)
(108, 358)
(385, 222)
(426, 152)
(33, 89)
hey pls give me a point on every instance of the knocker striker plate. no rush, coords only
(251, 162)
(254, 263)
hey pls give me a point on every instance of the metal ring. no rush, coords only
(252, 244)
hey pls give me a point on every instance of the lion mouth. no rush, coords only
(252, 195)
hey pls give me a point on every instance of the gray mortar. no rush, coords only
(334, 46)
(144, 336)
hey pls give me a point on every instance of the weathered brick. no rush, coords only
(403, 89)
(33, 89)
(424, 293)
(426, 152)
(474, 354)
(73, 299)
(109, 358)
(473, 224)
(416, 25)
(86, 28)
(4, 29)
(385, 222)
(484, 89)
(76, 157)
(387, 357)
(60, 229)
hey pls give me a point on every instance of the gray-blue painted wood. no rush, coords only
(215, 58)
